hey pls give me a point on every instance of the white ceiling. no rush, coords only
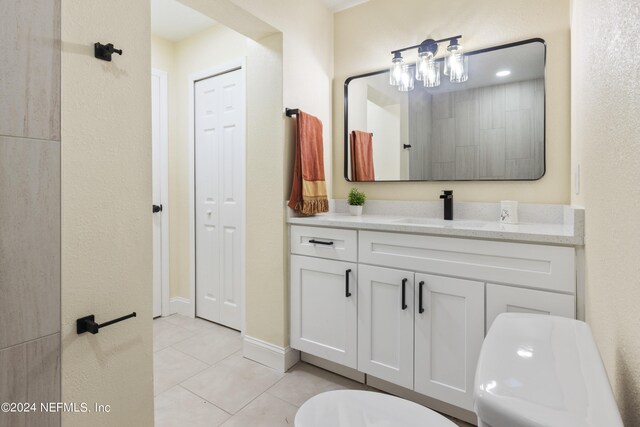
(338, 5)
(174, 21)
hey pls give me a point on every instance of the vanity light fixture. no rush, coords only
(503, 73)
(427, 69)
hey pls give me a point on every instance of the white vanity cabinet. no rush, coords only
(449, 329)
(419, 305)
(324, 293)
(421, 331)
(385, 324)
(510, 299)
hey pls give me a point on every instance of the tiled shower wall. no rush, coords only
(493, 132)
(30, 208)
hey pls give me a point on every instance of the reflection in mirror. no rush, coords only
(490, 127)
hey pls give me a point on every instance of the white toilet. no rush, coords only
(533, 370)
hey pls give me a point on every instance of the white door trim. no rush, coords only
(240, 65)
(164, 176)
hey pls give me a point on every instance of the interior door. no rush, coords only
(385, 324)
(158, 142)
(219, 193)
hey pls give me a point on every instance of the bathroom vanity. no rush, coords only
(408, 300)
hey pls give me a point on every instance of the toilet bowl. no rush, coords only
(354, 408)
(534, 370)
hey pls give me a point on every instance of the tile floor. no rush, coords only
(201, 379)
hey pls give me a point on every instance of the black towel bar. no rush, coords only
(290, 112)
(88, 323)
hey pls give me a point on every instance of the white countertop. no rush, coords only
(552, 233)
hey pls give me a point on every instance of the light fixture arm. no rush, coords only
(427, 45)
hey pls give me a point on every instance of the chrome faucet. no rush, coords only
(448, 204)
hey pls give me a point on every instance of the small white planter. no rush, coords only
(355, 210)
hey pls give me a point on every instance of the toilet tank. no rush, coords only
(537, 370)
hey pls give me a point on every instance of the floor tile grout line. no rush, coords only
(204, 361)
(206, 400)
(244, 406)
(281, 399)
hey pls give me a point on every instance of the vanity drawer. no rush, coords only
(519, 264)
(321, 242)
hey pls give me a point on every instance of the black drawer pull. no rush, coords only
(420, 307)
(346, 283)
(318, 242)
(404, 292)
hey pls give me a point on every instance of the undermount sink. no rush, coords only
(440, 222)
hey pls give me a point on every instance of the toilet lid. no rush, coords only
(353, 408)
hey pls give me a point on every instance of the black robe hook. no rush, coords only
(104, 51)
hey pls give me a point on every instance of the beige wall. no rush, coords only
(202, 51)
(606, 143)
(365, 34)
(106, 215)
(289, 63)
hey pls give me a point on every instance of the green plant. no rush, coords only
(356, 198)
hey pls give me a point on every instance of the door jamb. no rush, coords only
(164, 187)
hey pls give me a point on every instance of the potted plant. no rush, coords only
(355, 201)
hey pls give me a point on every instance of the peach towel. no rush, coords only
(309, 189)
(361, 156)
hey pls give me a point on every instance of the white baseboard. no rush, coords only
(273, 356)
(181, 306)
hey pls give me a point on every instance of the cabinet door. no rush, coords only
(324, 308)
(385, 324)
(510, 299)
(448, 335)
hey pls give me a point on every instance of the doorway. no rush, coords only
(219, 194)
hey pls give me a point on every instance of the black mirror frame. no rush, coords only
(475, 52)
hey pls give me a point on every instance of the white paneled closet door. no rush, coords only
(220, 201)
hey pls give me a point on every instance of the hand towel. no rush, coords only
(308, 190)
(362, 156)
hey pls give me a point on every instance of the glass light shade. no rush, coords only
(422, 64)
(451, 58)
(406, 79)
(395, 72)
(432, 75)
(459, 71)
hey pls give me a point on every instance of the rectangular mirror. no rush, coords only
(489, 128)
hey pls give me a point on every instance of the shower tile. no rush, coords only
(43, 378)
(29, 240)
(30, 69)
(31, 373)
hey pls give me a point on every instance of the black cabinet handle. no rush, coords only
(346, 283)
(404, 292)
(318, 242)
(420, 307)
(157, 208)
